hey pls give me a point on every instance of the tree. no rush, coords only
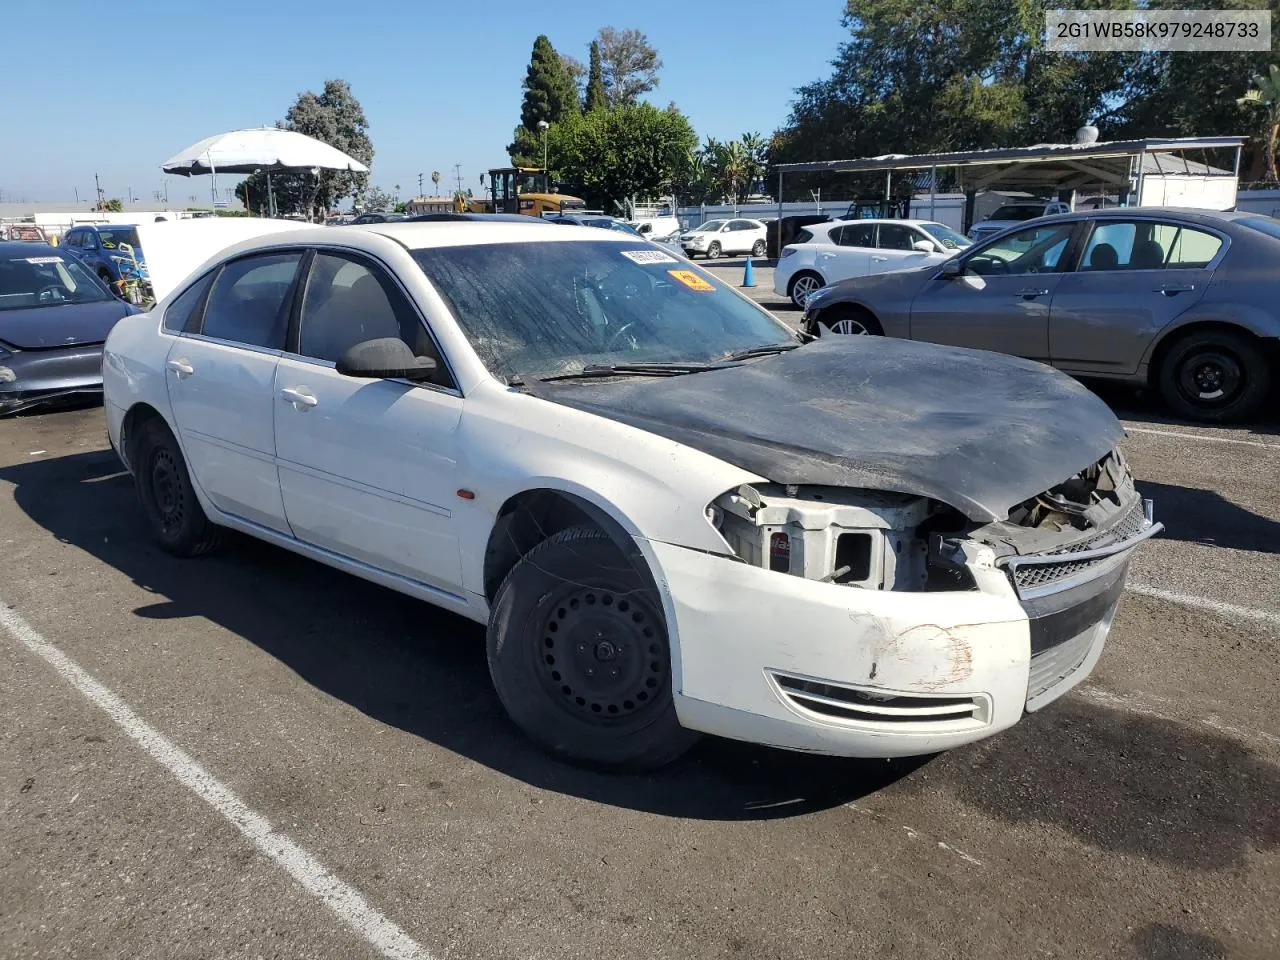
(376, 200)
(595, 98)
(335, 117)
(1264, 98)
(609, 156)
(550, 93)
(578, 74)
(114, 205)
(629, 65)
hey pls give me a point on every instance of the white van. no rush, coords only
(656, 228)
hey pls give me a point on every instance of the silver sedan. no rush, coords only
(1183, 301)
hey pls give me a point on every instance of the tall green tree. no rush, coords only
(595, 98)
(333, 116)
(629, 65)
(1264, 98)
(608, 156)
(550, 93)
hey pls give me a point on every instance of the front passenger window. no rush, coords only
(348, 302)
(1032, 250)
(247, 302)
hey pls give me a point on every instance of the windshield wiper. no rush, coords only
(655, 369)
(763, 350)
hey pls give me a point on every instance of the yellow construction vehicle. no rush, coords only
(523, 190)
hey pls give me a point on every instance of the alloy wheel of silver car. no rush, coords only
(804, 287)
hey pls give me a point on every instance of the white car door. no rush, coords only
(895, 248)
(221, 378)
(367, 466)
(848, 254)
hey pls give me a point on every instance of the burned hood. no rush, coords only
(979, 431)
(64, 325)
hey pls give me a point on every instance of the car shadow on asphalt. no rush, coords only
(1201, 516)
(1144, 406)
(404, 662)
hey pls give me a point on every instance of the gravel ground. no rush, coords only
(1136, 818)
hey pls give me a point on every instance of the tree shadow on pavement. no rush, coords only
(402, 661)
(1124, 782)
(1205, 516)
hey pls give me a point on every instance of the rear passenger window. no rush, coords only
(858, 235)
(247, 302)
(183, 315)
(1186, 248)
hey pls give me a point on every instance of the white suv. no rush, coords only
(827, 252)
(717, 237)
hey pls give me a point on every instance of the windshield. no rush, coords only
(945, 235)
(112, 237)
(1017, 211)
(711, 226)
(46, 282)
(545, 309)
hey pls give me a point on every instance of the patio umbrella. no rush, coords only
(262, 148)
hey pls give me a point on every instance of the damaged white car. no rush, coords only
(672, 516)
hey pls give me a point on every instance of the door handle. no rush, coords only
(182, 368)
(880, 259)
(1033, 292)
(300, 397)
(1170, 289)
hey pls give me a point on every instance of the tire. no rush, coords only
(713, 251)
(1214, 376)
(757, 249)
(845, 320)
(802, 285)
(578, 653)
(168, 499)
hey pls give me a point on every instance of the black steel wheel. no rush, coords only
(579, 654)
(1214, 376)
(173, 512)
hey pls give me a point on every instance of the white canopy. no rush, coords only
(262, 148)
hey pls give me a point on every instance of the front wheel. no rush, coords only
(849, 321)
(579, 655)
(1215, 376)
(757, 249)
(713, 251)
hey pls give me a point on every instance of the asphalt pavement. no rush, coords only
(252, 755)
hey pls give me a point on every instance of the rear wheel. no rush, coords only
(757, 249)
(1214, 376)
(713, 251)
(802, 286)
(168, 499)
(579, 654)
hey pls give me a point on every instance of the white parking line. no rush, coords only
(345, 901)
(1200, 436)
(1231, 611)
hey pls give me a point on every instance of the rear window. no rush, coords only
(1268, 225)
(804, 236)
(1015, 211)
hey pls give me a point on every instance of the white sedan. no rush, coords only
(715, 238)
(827, 252)
(671, 515)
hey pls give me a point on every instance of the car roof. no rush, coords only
(1192, 214)
(482, 217)
(416, 236)
(842, 223)
(26, 248)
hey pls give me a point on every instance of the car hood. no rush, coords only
(889, 283)
(979, 431)
(71, 324)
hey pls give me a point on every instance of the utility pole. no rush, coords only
(77, 193)
(419, 184)
(101, 199)
(457, 175)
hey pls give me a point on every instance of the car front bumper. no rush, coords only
(825, 668)
(32, 377)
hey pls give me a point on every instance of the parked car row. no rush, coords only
(1180, 301)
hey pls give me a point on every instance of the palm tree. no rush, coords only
(1265, 95)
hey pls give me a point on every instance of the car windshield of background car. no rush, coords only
(546, 309)
(46, 281)
(1015, 211)
(945, 235)
(711, 226)
(113, 237)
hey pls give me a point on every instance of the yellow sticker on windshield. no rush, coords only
(691, 280)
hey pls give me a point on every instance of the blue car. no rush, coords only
(99, 247)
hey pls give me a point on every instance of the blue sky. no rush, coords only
(440, 83)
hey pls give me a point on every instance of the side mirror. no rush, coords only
(387, 358)
(952, 268)
(924, 246)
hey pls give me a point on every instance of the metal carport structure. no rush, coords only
(1122, 165)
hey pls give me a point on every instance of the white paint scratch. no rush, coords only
(914, 834)
(1231, 611)
(346, 903)
(1200, 436)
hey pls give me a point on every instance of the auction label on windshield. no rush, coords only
(1186, 31)
(648, 256)
(691, 280)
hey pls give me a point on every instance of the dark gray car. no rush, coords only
(54, 317)
(1185, 301)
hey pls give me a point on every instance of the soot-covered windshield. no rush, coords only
(547, 309)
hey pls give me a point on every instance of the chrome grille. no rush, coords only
(1032, 575)
(1054, 665)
